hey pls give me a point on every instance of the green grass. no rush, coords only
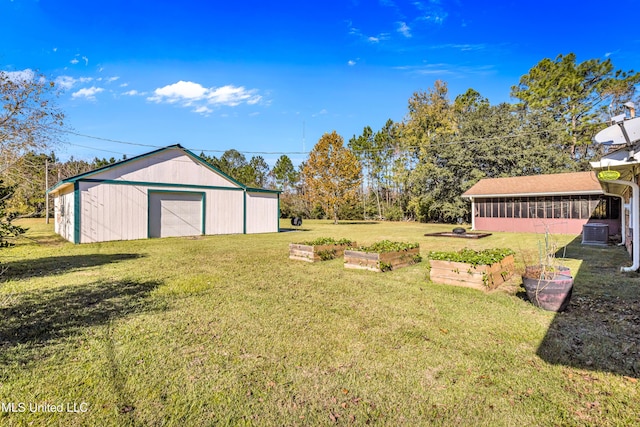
(227, 330)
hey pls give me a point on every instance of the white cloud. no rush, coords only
(132, 92)
(87, 93)
(351, 63)
(431, 11)
(190, 94)
(322, 112)
(20, 76)
(444, 69)
(204, 110)
(75, 60)
(67, 82)
(404, 29)
(370, 39)
(178, 92)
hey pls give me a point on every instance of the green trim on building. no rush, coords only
(160, 184)
(262, 190)
(76, 212)
(244, 213)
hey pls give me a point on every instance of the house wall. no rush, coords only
(536, 225)
(64, 214)
(120, 211)
(225, 212)
(112, 212)
(262, 213)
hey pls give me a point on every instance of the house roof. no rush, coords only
(537, 185)
(69, 181)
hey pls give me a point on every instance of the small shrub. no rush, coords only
(327, 254)
(469, 256)
(388, 246)
(327, 241)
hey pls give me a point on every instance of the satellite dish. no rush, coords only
(620, 133)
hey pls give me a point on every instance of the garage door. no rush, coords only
(175, 214)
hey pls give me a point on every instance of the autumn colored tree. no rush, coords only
(332, 175)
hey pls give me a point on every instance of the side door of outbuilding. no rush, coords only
(176, 213)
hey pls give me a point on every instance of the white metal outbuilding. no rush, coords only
(167, 192)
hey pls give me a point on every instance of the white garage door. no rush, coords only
(175, 214)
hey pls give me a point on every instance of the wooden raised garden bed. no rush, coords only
(483, 270)
(382, 256)
(321, 249)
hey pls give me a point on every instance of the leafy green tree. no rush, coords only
(429, 122)
(233, 163)
(285, 173)
(332, 175)
(376, 152)
(485, 141)
(7, 229)
(575, 94)
(257, 172)
(28, 180)
(98, 163)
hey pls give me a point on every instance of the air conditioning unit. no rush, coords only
(595, 234)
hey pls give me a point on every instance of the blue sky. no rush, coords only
(272, 77)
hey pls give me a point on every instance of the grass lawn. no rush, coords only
(227, 330)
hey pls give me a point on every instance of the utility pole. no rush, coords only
(46, 187)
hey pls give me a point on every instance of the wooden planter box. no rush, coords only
(482, 277)
(315, 253)
(380, 261)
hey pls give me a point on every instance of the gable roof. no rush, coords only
(69, 181)
(537, 185)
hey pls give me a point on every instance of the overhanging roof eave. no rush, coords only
(563, 193)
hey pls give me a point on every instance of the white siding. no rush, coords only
(225, 212)
(120, 212)
(112, 212)
(63, 214)
(262, 213)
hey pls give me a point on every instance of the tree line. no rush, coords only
(417, 169)
(414, 169)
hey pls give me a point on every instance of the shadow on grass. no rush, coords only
(49, 266)
(600, 330)
(33, 320)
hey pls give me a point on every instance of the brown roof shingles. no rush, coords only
(552, 184)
